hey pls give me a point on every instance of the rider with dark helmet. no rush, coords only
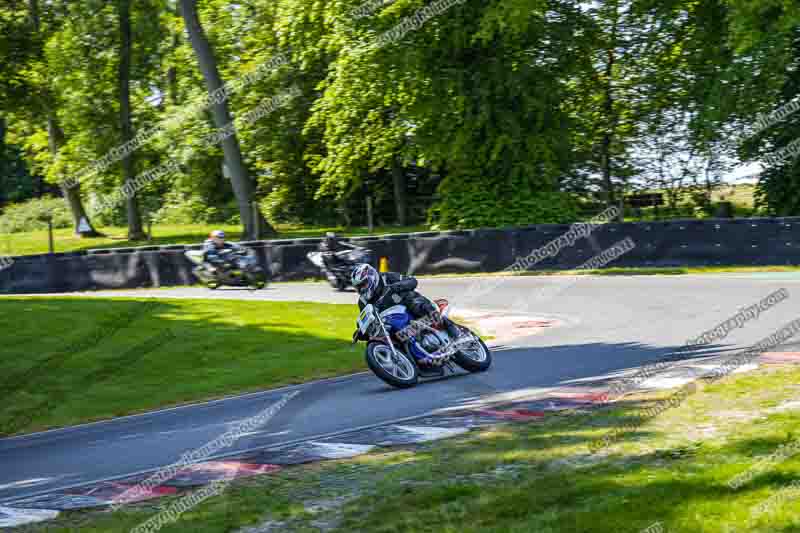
(329, 246)
(390, 288)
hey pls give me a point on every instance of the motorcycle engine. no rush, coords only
(433, 341)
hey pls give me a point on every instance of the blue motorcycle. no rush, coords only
(400, 349)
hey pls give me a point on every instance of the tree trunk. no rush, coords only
(242, 184)
(72, 195)
(55, 139)
(608, 134)
(33, 12)
(172, 72)
(399, 183)
(135, 230)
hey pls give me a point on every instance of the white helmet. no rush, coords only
(365, 279)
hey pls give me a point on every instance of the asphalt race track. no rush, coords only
(607, 325)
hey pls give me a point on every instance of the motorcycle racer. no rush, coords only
(330, 246)
(215, 247)
(390, 288)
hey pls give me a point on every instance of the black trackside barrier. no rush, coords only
(756, 241)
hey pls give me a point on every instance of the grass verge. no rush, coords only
(674, 471)
(100, 358)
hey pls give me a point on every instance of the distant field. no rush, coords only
(741, 196)
(35, 242)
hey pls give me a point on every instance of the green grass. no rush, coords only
(101, 358)
(220, 347)
(36, 242)
(538, 477)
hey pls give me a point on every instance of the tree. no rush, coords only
(778, 189)
(135, 231)
(36, 101)
(242, 184)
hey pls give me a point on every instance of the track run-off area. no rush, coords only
(597, 328)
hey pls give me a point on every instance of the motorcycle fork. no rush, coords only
(386, 335)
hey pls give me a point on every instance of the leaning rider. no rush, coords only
(329, 246)
(215, 249)
(390, 288)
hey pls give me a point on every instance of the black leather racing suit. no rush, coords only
(329, 247)
(397, 289)
(216, 256)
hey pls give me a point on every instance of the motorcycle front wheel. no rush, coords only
(395, 368)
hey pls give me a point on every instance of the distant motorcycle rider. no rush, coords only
(329, 246)
(216, 250)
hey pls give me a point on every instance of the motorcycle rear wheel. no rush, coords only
(476, 356)
(257, 281)
(397, 369)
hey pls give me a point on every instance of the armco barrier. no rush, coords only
(756, 241)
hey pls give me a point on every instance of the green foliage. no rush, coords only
(486, 203)
(194, 209)
(546, 97)
(16, 182)
(30, 215)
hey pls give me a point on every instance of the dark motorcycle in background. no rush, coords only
(239, 269)
(338, 274)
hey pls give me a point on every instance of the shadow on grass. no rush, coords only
(220, 347)
(687, 492)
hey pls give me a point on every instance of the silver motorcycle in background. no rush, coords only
(240, 269)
